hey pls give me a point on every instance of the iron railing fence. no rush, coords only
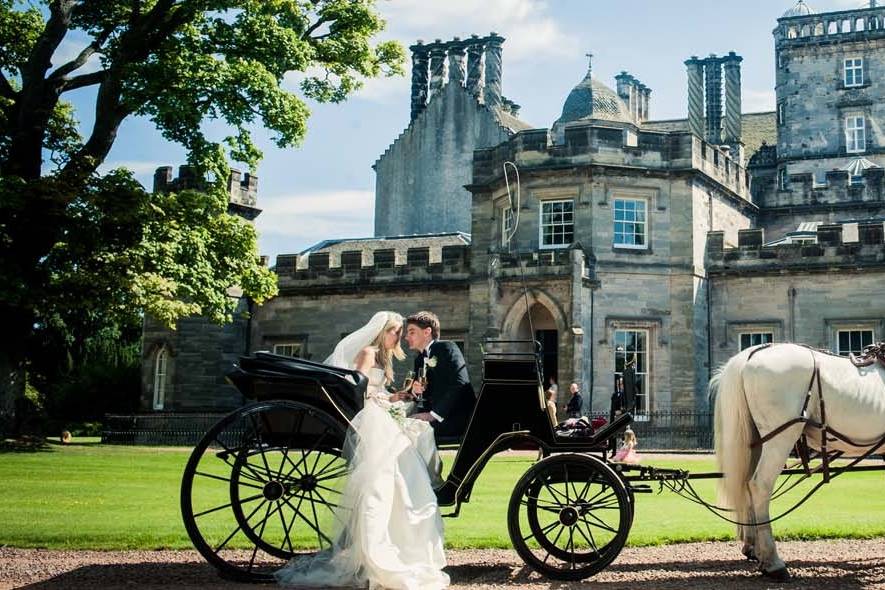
(667, 430)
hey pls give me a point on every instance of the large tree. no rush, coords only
(79, 248)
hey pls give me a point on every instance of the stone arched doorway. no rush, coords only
(546, 331)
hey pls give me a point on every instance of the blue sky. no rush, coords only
(325, 188)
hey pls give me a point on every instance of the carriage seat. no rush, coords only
(266, 366)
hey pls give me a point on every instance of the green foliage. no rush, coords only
(81, 253)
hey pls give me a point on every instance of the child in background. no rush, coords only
(627, 452)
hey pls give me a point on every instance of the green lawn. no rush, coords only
(111, 497)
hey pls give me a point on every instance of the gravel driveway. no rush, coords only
(819, 565)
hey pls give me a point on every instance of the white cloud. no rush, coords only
(755, 101)
(526, 24)
(311, 217)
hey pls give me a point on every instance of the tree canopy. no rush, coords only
(79, 247)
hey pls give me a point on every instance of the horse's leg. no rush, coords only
(747, 534)
(771, 463)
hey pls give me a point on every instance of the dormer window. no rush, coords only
(853, 72)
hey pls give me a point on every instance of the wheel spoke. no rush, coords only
(316, 520)
(543, 531)
(310, 524)
(544, 508)
(598, 524)
(285, 532)
(305, 455)
(261, 532)
(229, 452)
(227, 479)
(555, 493)
(590, 540)
(343, 470)
(260, 444)
(229, 504)
(570, 548)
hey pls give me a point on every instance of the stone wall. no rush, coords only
(199, 355)
(798, 292)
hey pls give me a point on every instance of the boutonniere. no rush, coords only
(430, 362)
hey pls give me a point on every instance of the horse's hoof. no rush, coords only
(750, 555)
(778, 575)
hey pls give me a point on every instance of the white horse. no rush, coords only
(758, 391)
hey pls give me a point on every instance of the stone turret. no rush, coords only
(242, 188)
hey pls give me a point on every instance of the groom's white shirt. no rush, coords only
(426, 353)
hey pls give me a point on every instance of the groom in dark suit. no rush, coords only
(448, 395)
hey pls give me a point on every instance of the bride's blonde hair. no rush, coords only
(384, 356)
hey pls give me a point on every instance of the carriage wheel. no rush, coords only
(261, 486)
(569, 516)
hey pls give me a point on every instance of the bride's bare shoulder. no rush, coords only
(367, 353)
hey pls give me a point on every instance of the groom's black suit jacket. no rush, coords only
(449, 393)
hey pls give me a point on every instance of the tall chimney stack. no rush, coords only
(695, 69)
(419, 78)
(437, 66)
(713, 75)
(732, 67)
(456, 62)
(492, 90)
(474, 67)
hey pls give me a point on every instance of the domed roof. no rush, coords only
(801, 9)
(592, 99)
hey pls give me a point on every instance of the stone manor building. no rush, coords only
(672, 243)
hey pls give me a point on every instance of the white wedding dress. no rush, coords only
(390, 530)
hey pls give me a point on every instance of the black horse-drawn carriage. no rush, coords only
(262, 484)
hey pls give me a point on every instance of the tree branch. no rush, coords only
(6, 89)
(83, 80)
(306, 34)
(55, 30)
(83, 57)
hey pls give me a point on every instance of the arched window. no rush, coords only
(832, 27)
(160, 364)
(818, 29)
(805, 31)
(846, 26)
(792, 33)
(874, 23)
(859, 24)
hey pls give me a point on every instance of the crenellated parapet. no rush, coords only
(613, 145)
(862, 24)
(828, 252)
(349, 263)
(839, 188)
(242, 188)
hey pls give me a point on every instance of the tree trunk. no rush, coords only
(12, 369)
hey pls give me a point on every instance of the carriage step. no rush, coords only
(642, 488)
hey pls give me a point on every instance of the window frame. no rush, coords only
(642, 413)
(839, 330)
(760, 332)
(856, 68)
(507, 223)
(851, 133)
(541, 225)
(644, 223)
(161, 373)
(299, 344)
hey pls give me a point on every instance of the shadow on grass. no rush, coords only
(26, 444)
(732, 574)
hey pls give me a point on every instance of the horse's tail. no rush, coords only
(734, 433)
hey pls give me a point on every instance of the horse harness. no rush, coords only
(870, 355)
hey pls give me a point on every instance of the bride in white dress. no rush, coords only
(390, 533)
